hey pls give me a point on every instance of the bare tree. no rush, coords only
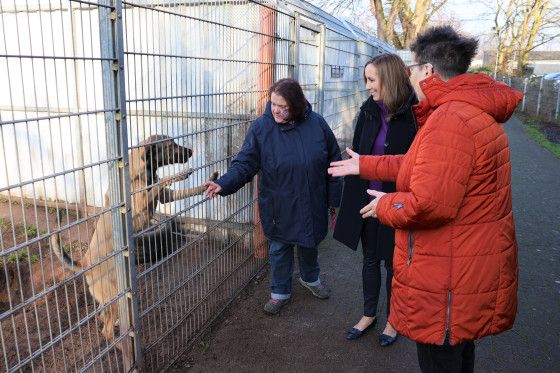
(398, 21)
(522, 26)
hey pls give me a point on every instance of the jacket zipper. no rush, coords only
(414, 118)
(446, 336)
(410, 247)
(273, 212)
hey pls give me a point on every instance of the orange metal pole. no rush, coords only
(266, 79)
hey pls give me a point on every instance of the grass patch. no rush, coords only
(6, 199)
(30, 229)
(27, 204)
(22, 256)
(534, 126)
(75, 246)
(52, 210)
(4, 224)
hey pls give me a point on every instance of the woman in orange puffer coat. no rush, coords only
(455, 260)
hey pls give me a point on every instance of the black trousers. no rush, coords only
(371, 274)
(446, 358)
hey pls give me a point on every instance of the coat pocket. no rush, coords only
(410, 247)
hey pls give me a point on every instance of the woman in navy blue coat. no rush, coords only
(292, 147)
(386, 125)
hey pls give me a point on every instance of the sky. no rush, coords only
(474, 16)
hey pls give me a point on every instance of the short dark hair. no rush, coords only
(291, 91)
(450, 53)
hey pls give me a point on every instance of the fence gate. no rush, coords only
(112, 115)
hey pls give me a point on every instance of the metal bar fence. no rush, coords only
(112, 115)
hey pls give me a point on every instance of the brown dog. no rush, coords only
(147, 191)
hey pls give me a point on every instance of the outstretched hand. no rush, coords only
(212, 189)
(350, 166)
(371, 208)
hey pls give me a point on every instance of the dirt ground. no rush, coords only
(551, 130)
(308, 335)
(45, 320)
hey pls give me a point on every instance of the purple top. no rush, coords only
(379, 145)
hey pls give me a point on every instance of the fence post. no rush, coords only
(524, 95)
(81, 196)
(266, 79)
(539, 97)
(321, 70)
(557, 102)
(114, 98)
(130, 260)
(361, 59)
(297, 44)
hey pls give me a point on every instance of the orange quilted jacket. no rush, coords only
(455, 260)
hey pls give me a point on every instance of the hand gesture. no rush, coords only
(212, 189)
(371, 208)
(350, 166)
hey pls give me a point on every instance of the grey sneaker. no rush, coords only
(273, 306)
(319, 290)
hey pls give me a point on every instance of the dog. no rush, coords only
(147, 192)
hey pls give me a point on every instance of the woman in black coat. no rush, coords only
(386, 125)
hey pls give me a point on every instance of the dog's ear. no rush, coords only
(150, 152)
(144, 152)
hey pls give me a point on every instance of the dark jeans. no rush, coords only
(371, 275)
(282, 267)
(446, 358)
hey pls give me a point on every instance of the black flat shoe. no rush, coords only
(385, 340)
(357, 333)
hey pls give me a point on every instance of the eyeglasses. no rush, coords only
(408, 69)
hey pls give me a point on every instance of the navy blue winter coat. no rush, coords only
(294, 187)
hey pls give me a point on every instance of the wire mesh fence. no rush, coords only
(113, 114)
(541, 97)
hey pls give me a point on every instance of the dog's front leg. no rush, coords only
(168, 180)
(167, 195)
(157, 190)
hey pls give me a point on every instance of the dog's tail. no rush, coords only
(59, 251)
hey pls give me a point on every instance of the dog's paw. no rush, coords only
(214, 176)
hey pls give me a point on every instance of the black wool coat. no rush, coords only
(400, 134)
